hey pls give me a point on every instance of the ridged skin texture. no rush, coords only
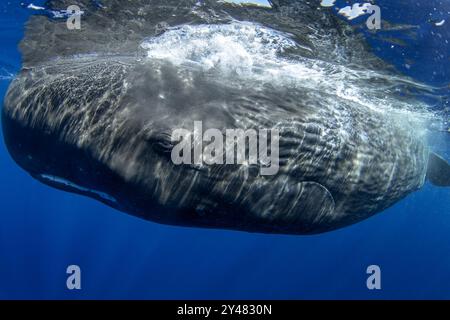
(100, 124)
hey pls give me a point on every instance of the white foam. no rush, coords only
(327, 3)
(239, 50)
(355, 11)
(261, 3)
(248, 54)
(231, 48)
(34, 7)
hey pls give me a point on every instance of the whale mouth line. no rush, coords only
(69, 184)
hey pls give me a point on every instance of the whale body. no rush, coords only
(96, 119)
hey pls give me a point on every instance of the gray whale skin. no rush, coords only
(100, 125)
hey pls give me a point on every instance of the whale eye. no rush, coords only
(161, 143)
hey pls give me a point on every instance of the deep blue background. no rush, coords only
(43, 230)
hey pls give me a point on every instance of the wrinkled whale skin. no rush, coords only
(96, 125)
(82, 120)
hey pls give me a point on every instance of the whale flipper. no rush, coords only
(438, 171)
(306, 207)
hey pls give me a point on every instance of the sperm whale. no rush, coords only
(93, 112)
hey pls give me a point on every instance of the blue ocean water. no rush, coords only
(43, 230)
